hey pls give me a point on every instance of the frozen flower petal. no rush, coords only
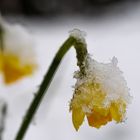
(98, 118)
(77, 118)
(117, 110)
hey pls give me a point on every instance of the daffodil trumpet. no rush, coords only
(94, 95)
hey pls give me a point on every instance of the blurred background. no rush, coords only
(61, 7)
(113, 29)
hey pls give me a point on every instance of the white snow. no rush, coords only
(78, 34)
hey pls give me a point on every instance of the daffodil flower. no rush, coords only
(101, 94)
(17, 55)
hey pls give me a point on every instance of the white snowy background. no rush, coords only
(117, 35)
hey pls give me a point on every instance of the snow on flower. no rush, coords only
(17, 55)
(101, 95)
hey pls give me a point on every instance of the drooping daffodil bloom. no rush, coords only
(101, 95)
(17, 53)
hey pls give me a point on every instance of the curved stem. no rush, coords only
(46, 82)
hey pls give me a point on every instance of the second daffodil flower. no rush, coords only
(17, 55)
(101, 94)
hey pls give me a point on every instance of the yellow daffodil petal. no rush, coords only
(97, 119)
(118, 110)
(77, 118)
(13, 69)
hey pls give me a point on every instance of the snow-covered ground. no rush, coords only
(106, 37)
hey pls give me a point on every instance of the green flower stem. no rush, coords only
(81, 54)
